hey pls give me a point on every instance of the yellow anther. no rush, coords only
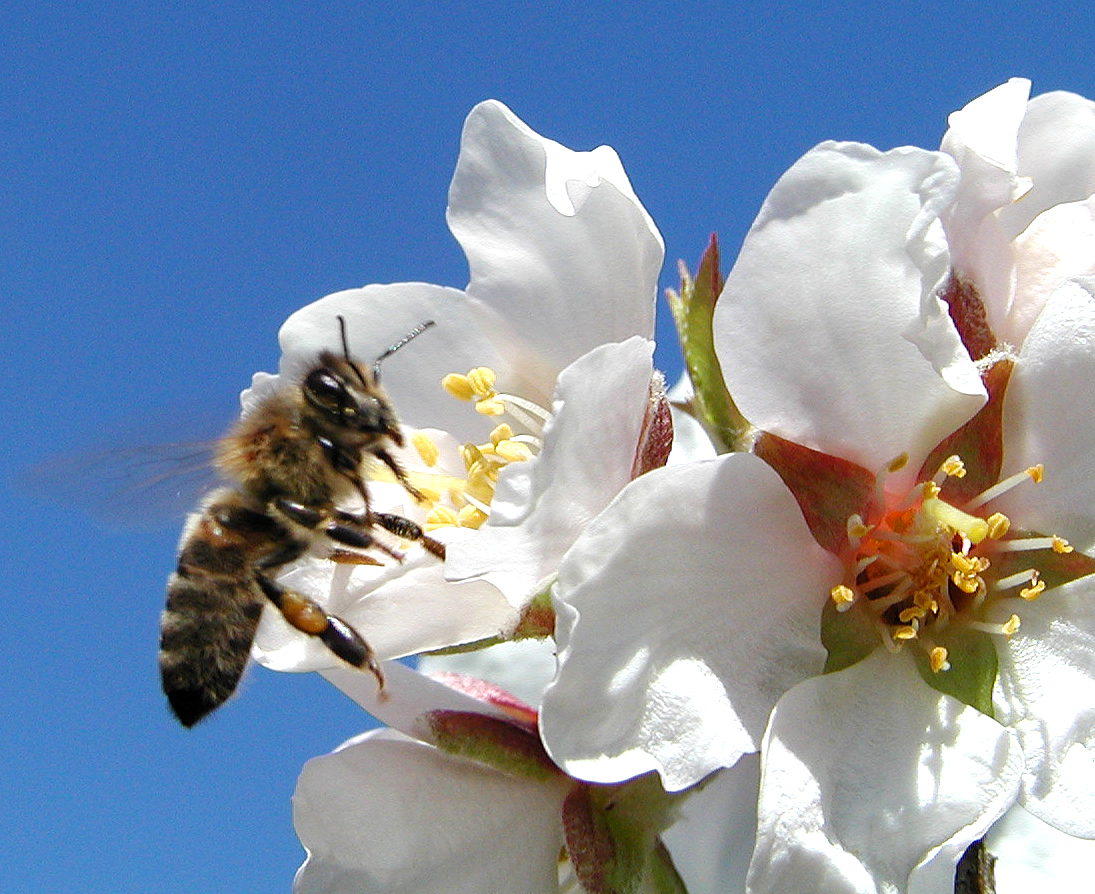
(471, 517)
(514, 451)
(938, 659)
(904, 633)
(1060, 545)
(490, 406)
(842, 597)
(912, 613)
(856, 529)
(998, 525)
(1010, 625)
(482, 381)
(426, 448)
(929, 490)
(1034, 590)
(953, 467)
(458, 386)
(501, 433)
(897, 463)
(440, 517)
(471, 455)
(1036, 473)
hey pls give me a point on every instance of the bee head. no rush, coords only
(346, 400)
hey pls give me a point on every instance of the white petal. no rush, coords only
(406, 697)
(400, 609)
(1043, 423)
(1047, 670)
(522, 667)
(712, 840)
(819, 329)
(561, 253)
(1032, 856)
(541, 506)
(1057, 153)
(394, 815)
(868, 772)
(683, 613)
(377, 316)
(1059, 244)
(983, 141)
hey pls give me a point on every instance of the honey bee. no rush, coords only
(293, 463)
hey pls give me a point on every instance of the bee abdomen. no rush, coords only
(206, 633)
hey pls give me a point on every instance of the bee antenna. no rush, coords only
(391, 349)
(346, 350)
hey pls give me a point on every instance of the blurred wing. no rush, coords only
(129, 486)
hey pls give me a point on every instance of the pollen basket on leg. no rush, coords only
(467, 501)
(921, 569)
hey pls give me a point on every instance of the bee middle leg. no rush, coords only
(309, 617)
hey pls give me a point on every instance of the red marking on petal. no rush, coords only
(828, 489)
(979, 443)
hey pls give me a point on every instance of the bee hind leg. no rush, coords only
(308, 617)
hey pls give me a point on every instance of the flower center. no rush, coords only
(466, 501)
(924, 564)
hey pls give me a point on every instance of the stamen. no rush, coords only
(1034, 473)
(426, 448)
(951, 467)
(937, 658)
(458, 386)
(1058, 544)
(1006, 629)
(842, 597)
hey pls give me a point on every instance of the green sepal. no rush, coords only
(848, 636)
(498, 743)
(693, 310)
(973, 666)
(613, 839)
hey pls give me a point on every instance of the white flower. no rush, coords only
(555, 329)
(393, 812)
(690, 611)
(1024, 218)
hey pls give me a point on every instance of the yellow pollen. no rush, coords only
(501, 433)
(426, 448)
(1060, 545)
(953, 467)
(514, 451)
(1036, 473)
(482, 380)
(897, 463)
(998, 525)
(458, 386)
(1034, 590)
(904, 633)
(938, 659)
(440, 517)
(471, 517)
(930, 489)
(470, 498)
(1010, 625)
(490, 406)
(842, 597)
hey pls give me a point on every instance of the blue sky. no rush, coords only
(177, 180)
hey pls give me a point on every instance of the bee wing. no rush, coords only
(128, 486)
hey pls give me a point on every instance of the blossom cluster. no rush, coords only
(823, 646)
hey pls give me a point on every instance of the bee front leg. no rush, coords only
(308, 617)
(404, 527)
